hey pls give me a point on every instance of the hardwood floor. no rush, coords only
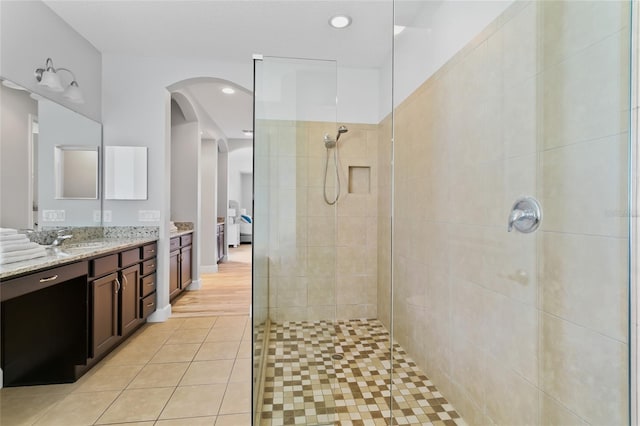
(227, 292)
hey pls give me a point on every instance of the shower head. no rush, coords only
(341, 130)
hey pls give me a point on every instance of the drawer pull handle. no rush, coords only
(152, 265)
(45, 280)
(151, 251)
(119, 285)
(150, 304)
(151, 284)
(126, 281)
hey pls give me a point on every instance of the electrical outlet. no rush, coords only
(53, 215)
(106, 216)
(97, 216)
(149, 215)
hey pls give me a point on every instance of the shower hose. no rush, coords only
(326, 168)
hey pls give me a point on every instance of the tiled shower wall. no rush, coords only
(321, 258)
(516, 328)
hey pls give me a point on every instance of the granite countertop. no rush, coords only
(70, 252)
(180, 232)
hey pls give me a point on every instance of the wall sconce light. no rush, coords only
(49, 77)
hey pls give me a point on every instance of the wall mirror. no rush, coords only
(76, 169)
(32, 129)
(125, 170)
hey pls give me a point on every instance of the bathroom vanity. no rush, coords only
(180, 266)
(62, 313)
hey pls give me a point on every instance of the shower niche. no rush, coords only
(359, 180)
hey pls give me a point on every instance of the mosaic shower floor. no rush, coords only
(304, 385)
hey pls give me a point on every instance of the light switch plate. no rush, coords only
(97, 215)
(107, 216)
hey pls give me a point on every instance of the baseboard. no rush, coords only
(161, 314)
(195, 285)
(208, 269)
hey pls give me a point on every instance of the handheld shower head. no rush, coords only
(341, 130)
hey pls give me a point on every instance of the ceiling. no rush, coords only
(234, 31)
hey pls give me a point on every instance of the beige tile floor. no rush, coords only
(185, 371)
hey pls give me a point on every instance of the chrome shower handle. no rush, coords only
(525, 215)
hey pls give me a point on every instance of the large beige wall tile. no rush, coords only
(575, 198)
(569, 27)
(553, 413)
(583, 279)
(520, 118)
(510, 264)
(584, 370)
(469, 368)
(520, 46)
(585, 97)
(505, 385)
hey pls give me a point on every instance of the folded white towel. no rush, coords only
(22, 255)
(17, 246)
(13, 242)
(18, 253)
(13, 237)
(8, 231)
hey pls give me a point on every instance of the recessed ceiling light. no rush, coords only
(248, 132)
(397, 29)
(228, 90)
(340, 21)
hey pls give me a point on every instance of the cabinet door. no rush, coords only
(220, 235)
(129, 298)
(174, 274)
(185, 267)
(104, 315)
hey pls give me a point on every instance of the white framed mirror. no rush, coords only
(125, 173)
(32, 127)
(76, 172)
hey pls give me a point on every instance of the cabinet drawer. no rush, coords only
(104, 265)
(185, 240)
(129, 257)
(174, 243)
(147, 285)
(39, 280)
(150, 250)
(149, 266)
(147, 305)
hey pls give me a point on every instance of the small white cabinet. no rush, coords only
(233, 234)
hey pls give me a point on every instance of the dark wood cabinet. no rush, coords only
(220, 240)
(174, 274)
(57, 323)
(44, 325)
(185, 267)
(129, 300)
(180, 264)
(104, 315)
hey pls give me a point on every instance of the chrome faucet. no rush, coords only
(525, 215)
(63, 234)
(515, 216)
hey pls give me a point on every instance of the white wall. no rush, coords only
(223, 188)
(208, 185)
(30, 33)
(430, 41)
(185, 184)
(240, 161)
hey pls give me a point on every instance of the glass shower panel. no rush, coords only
(495, 101)
(294, 241)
